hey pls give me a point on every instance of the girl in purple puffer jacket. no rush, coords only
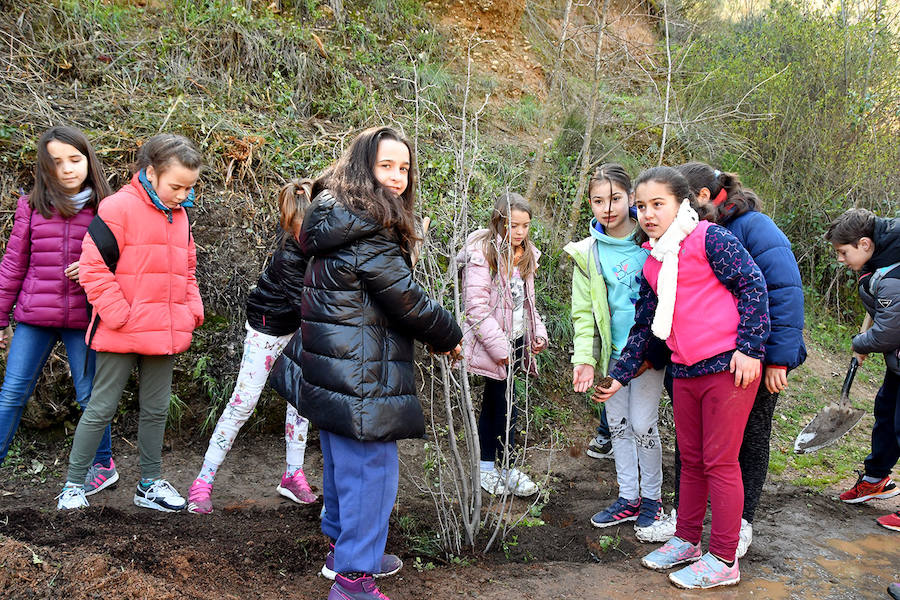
(39, 276)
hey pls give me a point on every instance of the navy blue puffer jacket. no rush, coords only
(350, 371)
(771, 250)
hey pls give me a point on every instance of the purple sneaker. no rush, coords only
(295, 487)
(708, 572)
(390, 565)
(362, 588)
(671, 554)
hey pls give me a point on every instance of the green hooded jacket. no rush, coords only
(590, 309)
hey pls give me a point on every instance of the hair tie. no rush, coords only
(716, 173)
(720, 197)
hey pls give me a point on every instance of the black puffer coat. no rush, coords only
(273, 307)
(361, 312)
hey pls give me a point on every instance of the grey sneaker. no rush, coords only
(71, 497)
(160, 495)
(599, 447)
(493, 482)
(99, 477)
(390, 565)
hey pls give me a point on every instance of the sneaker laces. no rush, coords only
(70, 490)
(161, 486)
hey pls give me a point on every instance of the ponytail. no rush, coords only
(293, 199)
(730, 199)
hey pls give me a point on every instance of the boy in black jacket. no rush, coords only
(871, 246)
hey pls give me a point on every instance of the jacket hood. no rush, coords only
(887, 244)
(598, 232)
(329, 225)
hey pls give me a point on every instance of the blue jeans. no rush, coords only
(359, 481)
(28, 352)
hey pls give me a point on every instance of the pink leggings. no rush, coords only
(710, 416)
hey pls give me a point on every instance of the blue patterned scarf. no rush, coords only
(154, 197)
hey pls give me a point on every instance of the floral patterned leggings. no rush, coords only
(260, 352)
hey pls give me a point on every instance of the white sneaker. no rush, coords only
(745, 539)
(519, 483)
(493, 483)
(662, 530)
(72, 496)
(159, 496)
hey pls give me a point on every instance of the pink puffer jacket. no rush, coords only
(489, 313)
(151, 304)
(32, 274)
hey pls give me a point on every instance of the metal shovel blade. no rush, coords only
(833, 421)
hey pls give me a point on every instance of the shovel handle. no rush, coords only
(848, 380)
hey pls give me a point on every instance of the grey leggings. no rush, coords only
(113, 371)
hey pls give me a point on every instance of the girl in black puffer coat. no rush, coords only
(353, 375)
(273, 315)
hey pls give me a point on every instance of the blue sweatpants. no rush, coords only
(359, 482)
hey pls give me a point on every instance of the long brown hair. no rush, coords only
(729, 198)
(293, 200)
(352, 181)
(48, 194)
(495, 244)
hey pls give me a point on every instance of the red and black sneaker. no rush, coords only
(891, 521)
(863, 490)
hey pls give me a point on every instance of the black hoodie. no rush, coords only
(880, 293)
(352, 372)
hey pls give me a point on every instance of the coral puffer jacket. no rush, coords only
(32, 274)
(151, 304)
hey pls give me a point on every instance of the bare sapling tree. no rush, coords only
(452, 465)
(584, 171)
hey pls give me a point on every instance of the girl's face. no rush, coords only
(656, 207)
(174, 184)
(517, 230)
(392, 165)
(609, 203)
(71, 166)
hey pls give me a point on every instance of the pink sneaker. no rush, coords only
(706, 573)
(200, 497)
(294, 487)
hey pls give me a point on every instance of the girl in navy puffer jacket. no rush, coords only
(39, 276)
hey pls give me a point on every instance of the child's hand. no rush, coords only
(5, 336)
(503, 361)
(582, 377)
(602, 394)
(776, 379)
(72, 271)
(538, 345)
(745, 369)
(860, 357)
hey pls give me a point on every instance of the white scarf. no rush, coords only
(665, 250)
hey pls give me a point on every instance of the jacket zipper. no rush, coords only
(171, 313)
(65, 278)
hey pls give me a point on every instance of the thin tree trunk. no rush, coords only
(665, 130)
(538, 165)
(584, 169)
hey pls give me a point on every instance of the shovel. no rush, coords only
(833, 421)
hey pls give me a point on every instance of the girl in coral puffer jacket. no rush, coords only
(145, 310)
(39, 276)
(502, 329)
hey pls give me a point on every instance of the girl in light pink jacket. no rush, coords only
(501, 328)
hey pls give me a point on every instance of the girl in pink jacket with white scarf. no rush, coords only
(502, 328)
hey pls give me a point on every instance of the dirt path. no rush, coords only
(257, 545)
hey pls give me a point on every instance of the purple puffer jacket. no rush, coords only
(32, 274)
